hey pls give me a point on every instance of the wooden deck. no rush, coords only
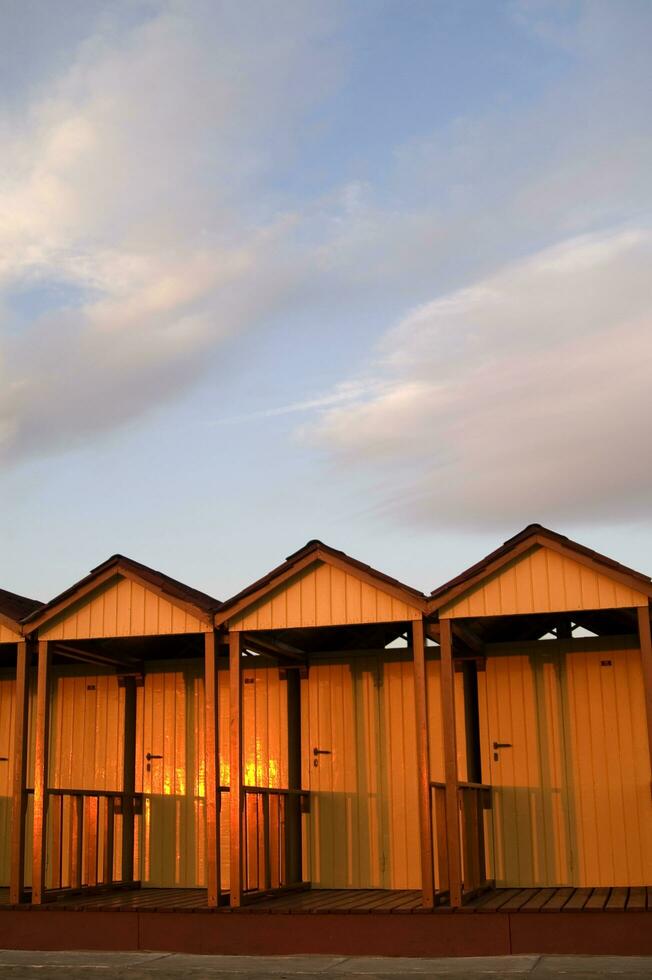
(616, 921)
(350, 901)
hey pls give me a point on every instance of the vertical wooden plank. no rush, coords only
(423, 761)
(56, 827)
(212, 770)
(76, 841)
(265, 872)
(645, 638)
(235, 754)
(442, 840)
(41, 749)
(19, 798)
(109, 840)
(450, 763)
(292, 873)
(128, 778)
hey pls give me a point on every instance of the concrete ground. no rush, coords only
(144, 966)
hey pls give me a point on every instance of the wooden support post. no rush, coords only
(19, 795)
(293, 845)
(423, 761)
(450, 764)
(128, 779)
(235, 766)
(472, 723)
(212, 770)
(646, 663)
(41, 752)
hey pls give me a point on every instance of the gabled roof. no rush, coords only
(311, 552)
(536, 534)
(14, 607)
(177, 592)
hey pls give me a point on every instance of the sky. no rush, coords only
(375, 273)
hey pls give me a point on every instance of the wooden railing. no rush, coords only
(272, 837)
(473, 800)
(90, 838)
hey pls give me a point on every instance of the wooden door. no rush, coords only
(364, 803)
(609, 766)
(170, 774)
(524, 759)
(343, 762)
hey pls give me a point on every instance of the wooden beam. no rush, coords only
(450, 764)
(212, 769)
(128, 777)
(235, 766)
(646, 664)
(423, 763)
(41, 751)
(468, 637)
(100, 659)
(19, 795)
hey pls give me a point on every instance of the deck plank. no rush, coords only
(578, 900)
(518, 901)
(558, 900)
(493, 900)
(636, 901)
(597, 900)
(617, 900)
(539, 900)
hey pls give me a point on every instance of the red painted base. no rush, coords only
(370, 934)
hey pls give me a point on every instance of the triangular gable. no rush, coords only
(117, 602)
(321, 588)
(541, 579)
(13, 608)
(9, 631)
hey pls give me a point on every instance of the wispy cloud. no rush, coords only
(525, 395)
(127, 187)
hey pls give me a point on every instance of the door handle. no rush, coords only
(149, 756)
(502, 745)
(4, 758)
(317, 752)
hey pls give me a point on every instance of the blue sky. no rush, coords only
(377, 273)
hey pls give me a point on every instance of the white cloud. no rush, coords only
(129, 183)
(525, 396)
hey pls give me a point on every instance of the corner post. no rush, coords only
(235, 766)
(450, 764)
(645, 640)
(19, 796)
(41, 755)
(423, 761)
(128, 778)
(212, 770)
(293, 843)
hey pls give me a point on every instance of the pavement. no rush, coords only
(165, 966)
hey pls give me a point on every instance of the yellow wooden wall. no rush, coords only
(323, 595)
(121, 607)
(542, 580)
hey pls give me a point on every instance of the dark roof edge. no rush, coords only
(315, 545)
(168, 585)
(529, 532)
